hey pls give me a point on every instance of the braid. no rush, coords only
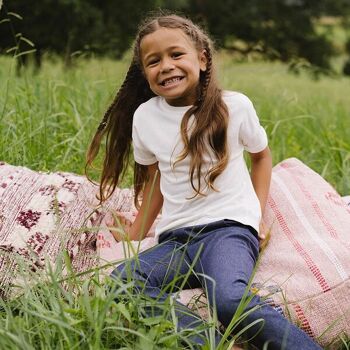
(111, 107)
(209, 134)
(217, 125)
(207, 75)
(205, 78)
(117, 125)
(101, 129)
(104, 120)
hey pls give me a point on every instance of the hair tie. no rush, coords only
(102, 126)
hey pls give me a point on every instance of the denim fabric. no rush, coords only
(225, 252)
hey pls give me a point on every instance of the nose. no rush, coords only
(166, 65)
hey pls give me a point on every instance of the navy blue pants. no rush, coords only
(222, 256)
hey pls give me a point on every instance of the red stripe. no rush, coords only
(314, 205)
(305, 325)
(307, 258)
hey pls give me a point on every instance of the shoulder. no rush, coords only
(236, 101)
(144, 110)
(149, 105)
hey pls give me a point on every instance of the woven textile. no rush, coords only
(306, 265)
(304, 270)
(43, 214)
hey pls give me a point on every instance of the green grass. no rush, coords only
(47, 119)
(55, 310)
(304, 118)
(46, 122)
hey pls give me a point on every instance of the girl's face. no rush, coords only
(172, 65)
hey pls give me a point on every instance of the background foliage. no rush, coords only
(47, 119)
(286, 30)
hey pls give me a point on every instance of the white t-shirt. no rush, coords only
(156, 138)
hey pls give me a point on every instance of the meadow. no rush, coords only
(46, 122)
(47, 119)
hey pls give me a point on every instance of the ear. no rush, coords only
(203, 60)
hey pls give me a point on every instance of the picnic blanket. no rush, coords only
(304, 271)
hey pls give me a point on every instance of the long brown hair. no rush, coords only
(208, 136)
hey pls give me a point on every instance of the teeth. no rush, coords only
(170, 81)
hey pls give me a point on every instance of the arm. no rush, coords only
(152, 201)
(261, 175)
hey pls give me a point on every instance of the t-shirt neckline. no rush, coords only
(167, 106)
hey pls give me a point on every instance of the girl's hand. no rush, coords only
(262, 231)
(119, 225)
(264, 235)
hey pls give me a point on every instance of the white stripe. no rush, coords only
(309, 229)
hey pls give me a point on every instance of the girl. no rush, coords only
(188, 140)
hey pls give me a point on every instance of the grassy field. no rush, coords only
(47, 119)
(46, 122)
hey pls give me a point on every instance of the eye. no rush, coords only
(177, 54)
(152, 62)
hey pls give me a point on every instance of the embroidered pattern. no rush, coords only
(28, 218)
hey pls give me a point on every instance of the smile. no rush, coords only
(170, 81)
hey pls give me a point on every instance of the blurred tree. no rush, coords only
(278, 29)
(346, 68)
(69, 27)
(120, 20)
(58, 26)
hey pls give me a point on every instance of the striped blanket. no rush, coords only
(304, 270)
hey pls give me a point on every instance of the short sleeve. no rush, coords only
(142, 154)
(251, 134)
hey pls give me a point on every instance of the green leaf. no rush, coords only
(30, 43)
(15, 15)
(14, 48)
(124, 311)
(150, 321)
(24, 53)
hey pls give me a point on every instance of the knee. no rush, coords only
(129, 272)
(125, 280)
(119, 273)
(226, 308)
(227, 303)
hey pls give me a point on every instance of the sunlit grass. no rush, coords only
(48, 119)
(60, 310)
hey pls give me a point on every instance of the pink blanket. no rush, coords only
(304, 269)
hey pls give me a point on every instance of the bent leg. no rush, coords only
(229, 257)
(158, 272)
